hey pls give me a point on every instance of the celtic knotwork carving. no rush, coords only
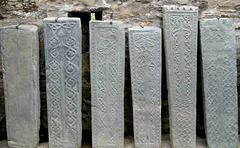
(54, 92)
(70, 41)
(107, 63)
(220, 78)
(63, 61)
(181, 49)
(145, 51)
(54, 42)
(184, 131)
(71, 82)
(55, 27)
(181, 29)
(107, 43)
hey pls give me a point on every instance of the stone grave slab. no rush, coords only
(146, 71)
(107, 54)
(63, 54)
(20, 64)
(218, 48)
(180, 40)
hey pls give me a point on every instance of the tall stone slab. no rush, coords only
(107, 52)
(218, 46)
(180, 36)
(146, 71)
(20, 65)
(63, 54)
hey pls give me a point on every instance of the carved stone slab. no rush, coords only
(218, 44)
(146, 68)
(20, 56)
(63, 54)
(180, 36)
(107, 52)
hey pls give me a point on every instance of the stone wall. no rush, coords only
(132, 13)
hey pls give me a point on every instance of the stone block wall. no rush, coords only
(132, 13)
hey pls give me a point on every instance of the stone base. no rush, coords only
(128, 143)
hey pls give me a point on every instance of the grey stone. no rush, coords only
(107, 58)
(63, 54)
(146, 71)
(180, 36)
(20, 63)
(182, 2)
(88, 2)
(218, 46)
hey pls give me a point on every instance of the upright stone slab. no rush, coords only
(220, 82)
(63, 54)
(107, 52)
(20, 56)
(180, 36)
(146, 68)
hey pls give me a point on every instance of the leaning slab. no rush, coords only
(180, 36)
(63, 54)
(107, 52)
(146, 71)
(20, 56)
(218, 46)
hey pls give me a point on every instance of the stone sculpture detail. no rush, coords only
(146, 61)
(218, 46)
(20, 64)
(107, 51)
(63, 75)
(180, 34)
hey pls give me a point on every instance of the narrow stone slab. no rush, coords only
(20, 56)
(107, 52)
(146, 71)
(63, 54)
(218, 44)
(180, 36)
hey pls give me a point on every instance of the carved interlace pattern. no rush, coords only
(54, 96)
(107, 69)
(220, 92)
(182, 30)
(145, 50)
(181, 50)
(62, 64)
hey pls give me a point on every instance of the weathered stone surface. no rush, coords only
(218, 46)
(107, 52)
(20, 56)
(88, 2)
(146, 69)
(180, 36)
(182, 2)
(62, 39)
(131, 13)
